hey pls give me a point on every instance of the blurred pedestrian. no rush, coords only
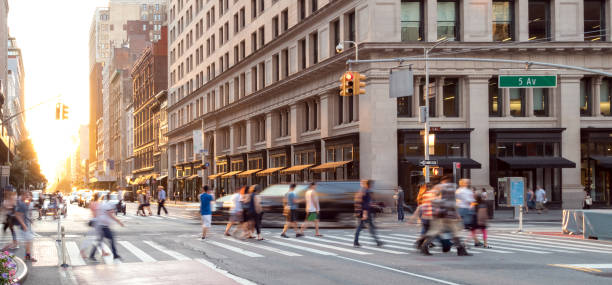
(425, 212)
(588, 201)
(9, 205)
(24, 217)
(104, 216)
(445, 218)
(540, 196)
(399, 203)
(256, 209)
(363, 208)
(465, 199)
(140, 197)
(161, 200)
(312, 210)
(290, 212)
(530, 200)
(205, 209)
(147, 202)
(235, 211)
(481, 221)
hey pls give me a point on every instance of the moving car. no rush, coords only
(222, 209)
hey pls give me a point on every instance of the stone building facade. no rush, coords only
(260, 80)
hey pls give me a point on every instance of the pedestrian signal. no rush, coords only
(65, 111)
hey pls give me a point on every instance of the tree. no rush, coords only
(25, 167)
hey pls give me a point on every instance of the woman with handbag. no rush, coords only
(588, 201)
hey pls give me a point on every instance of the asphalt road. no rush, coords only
(528, 258)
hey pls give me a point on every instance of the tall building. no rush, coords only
(15, 95)
(260, 79)
(150, 81)
(4, 9)
(110, 29)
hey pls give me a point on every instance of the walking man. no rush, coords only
(399, 203)
(161, 200)
(312, 210)
(540, 199)
(23, 215)
(363, 208)
(205, 210)
(290, 211)
(105, 215)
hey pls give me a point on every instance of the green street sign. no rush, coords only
(527, 81)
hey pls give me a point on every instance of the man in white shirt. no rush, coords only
(312, 209)
(464, 197)
(540, 196)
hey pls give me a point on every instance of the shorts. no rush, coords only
(206, 221)
(312, 216)
(539, 205)
(26, 236)
(292, 216)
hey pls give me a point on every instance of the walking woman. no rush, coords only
(530, 200)
(147, 203)
(256, 209)
(140, 204)
(481, 222)
(236, 211)
(10, 201)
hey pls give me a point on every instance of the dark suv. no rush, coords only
(336, 199)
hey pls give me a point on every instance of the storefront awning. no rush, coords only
(162, 177)
(330, 166)
(296, 168)
(214, 176)
(248, 173)
(536, 162)
(445, 162)
(192, 177)
(269, 171)
(603, 161)
(230, 174)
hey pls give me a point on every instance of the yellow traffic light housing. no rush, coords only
(65, 111)
(347, 84)
(433, 171)
(359, 87)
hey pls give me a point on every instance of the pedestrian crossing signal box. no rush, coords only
(511, 191)
(434, 171)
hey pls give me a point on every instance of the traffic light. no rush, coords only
(359, 87)
(347, 81)
(65, 111)
(58, 110)
(433, 171)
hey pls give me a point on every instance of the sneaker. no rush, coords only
(356, 244)
(299, 235)
(284, 235)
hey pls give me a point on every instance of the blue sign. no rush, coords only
(517, 192)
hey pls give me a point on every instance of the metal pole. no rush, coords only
(520, 219)
(64, 264)
(426, 96)
(59, 226)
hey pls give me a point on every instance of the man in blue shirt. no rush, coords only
(161, 200)
(205, 209)
(290, 212)
(363, 208)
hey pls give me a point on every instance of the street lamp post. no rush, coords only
(340, 48)
(426, 96)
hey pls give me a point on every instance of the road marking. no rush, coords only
(100, 249)
(407, 245)
(137, 252)
(529, 245)
(570, 266)
(74, 254)
(571, 240)
(46, 253)
(212, 266)
(172, 253)
(399, 271)
(372, 243)
(515, 249)
(562, 245)
(332, 247)
(236, 249)
(171, 218)
(322, 252)
(364, 247)
(593, 266)
(156, 217)
(268, 248)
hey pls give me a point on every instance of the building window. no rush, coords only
(517, 102)
(594, 20)
(314, 5)
(431, 97)
(585, 97)
(253, 9)
(539, 20)
(285, 20)
(335, 35)
(495, 98)
(314, 48)
(412, 20)
(285, 63)
(404, 106)
(301, 9)
(302, 53)
(350, 26)
(503, 17)
(275, 30)
(262, 38)
(540, 102)
(450, 97)
(448, 20)
(605, 97)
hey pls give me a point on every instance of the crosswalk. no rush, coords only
(153, 217)
(337, 244)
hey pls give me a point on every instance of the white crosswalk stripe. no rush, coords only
(236, 249)
(264, 247)
(321, 252)
(407, 243)
(74, 254)
(372, 243)
(331, 247)
(564, 245)
(137, 251)
(161, 248)
(364, 247)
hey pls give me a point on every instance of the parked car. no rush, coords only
(336, 199)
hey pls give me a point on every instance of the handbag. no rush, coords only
(588, 201)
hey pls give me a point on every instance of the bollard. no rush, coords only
(59, 223)
(64, 264)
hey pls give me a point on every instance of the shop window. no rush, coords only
(412, 20)
(517, 102)
(503, 20)
(450, 97)
(585, 97)
(495, 98)
(432, 96)
(539, 20)
(404, 106)
(540, 102)
(448, 20)
(605, 97)
(594, 20)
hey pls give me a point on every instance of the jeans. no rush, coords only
(161, 205)
(370, 221)
(400, 213)
(105, 232)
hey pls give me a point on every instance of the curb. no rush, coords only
(22, 271)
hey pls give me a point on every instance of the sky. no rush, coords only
(54, 40)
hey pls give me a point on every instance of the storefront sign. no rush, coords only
(527, 81)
